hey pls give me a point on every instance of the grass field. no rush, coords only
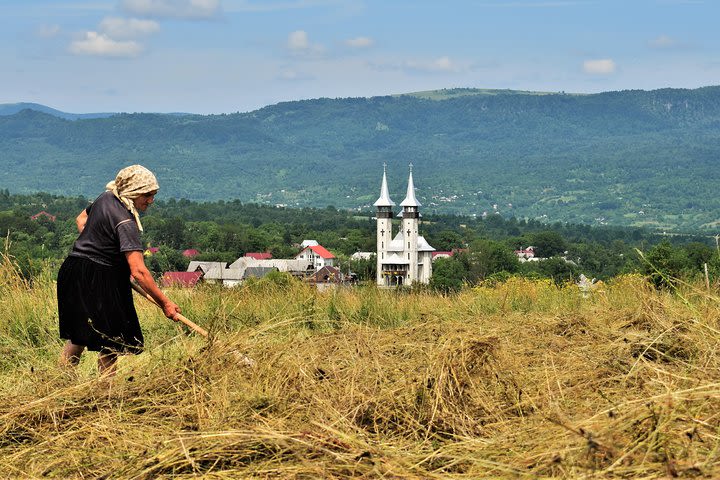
(520, 379)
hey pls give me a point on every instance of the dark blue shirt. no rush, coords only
(110, 231)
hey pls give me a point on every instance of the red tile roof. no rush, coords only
(43, 214)
(180, 279)
(259, 256)
(448, 254)
(190, 252)
(320, 250)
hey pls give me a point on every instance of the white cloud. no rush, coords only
(187, 9)
(48, 31)
(291, 75)
(442, 64)
(359, 42)
(122, 28)
(665, 42)
(298, 40)
(603, 66)
(101, 45)
(299, 43)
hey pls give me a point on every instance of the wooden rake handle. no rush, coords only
(194, 326)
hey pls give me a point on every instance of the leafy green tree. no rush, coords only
(548, 243)
(664, 264)
(487, 257)
(559, 269)
(447, 240)
(449, 275)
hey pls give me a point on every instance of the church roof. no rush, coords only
(423, 245)
(410, 200)
(384, 200)
(397, 244)
(395, 258)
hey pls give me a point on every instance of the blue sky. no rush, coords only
(222, 56)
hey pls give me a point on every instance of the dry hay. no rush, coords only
(390, 385)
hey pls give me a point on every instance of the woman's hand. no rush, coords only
(171, 310)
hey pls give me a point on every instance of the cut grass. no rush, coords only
(522, 379)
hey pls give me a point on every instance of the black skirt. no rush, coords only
(95, 306)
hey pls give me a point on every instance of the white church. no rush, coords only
(405, 258)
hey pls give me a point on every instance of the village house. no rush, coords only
(363, 256)
(259, 255)
(326, 277)
(180, 279)
(317, 256)
(527, 254)
(43, 214)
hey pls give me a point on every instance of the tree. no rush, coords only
(548, 243)
(488, 257)
(663, 264)
(449, 275)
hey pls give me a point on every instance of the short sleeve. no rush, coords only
(129, 236)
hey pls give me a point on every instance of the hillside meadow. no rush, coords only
(519, 379)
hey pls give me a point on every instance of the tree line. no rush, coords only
(483, 247)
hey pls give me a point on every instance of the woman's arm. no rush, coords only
(144, 278)
(81, 220)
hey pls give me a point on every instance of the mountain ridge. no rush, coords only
(634, 157)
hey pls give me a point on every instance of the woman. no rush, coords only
(95, 301)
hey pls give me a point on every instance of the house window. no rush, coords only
(408, 255)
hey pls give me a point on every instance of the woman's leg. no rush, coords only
(70, 355)
(107, 363)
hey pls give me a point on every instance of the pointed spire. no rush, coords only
(410, 200)
(384, 200)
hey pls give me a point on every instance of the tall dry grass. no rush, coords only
(523, 379)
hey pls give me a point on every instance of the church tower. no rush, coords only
(384, 216)
(405, 258)
(410, 221)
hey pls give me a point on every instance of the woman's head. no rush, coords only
(133, 181)
(135, 186)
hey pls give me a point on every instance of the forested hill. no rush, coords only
(624, 158)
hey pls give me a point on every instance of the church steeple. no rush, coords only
(410, 200)
(384, 200)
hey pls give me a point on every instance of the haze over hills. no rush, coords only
(623, 158)
(13, 108)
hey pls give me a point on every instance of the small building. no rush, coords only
(363, 256)
(190, 253)
(258, 272)
(526, 254)
(436, 255)
(43, 214)
(180, 279)
(259, 255)
(326, 277)
(309, 243)
(205, 267)
(317, 256)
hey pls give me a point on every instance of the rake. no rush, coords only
(194, 326)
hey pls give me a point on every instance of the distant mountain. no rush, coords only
(626, 158)
(13, 108)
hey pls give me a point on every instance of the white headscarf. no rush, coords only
(130, 183)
